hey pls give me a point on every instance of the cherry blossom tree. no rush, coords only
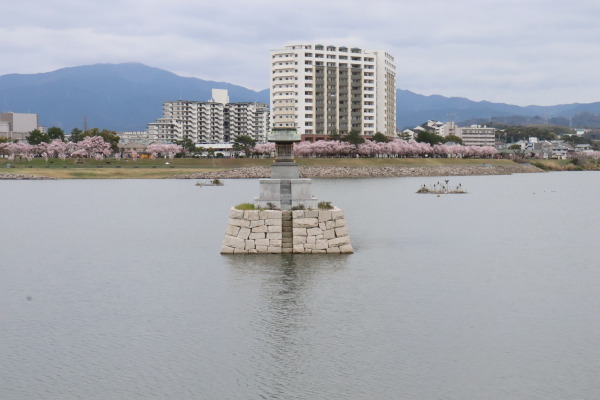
(395, 148)
(265, 149)
(166, 150)
(20, 149)
(92, 146)
(55, 148)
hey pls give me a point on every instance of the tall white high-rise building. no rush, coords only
(321, 90)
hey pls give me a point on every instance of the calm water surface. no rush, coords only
(115, 290)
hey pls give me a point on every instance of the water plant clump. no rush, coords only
(442, 188)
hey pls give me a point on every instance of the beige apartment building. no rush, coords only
(477, 135)
(322, 89)
(16, 126)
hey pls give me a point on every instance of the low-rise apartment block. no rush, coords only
(214, 121)
(477, 135)
(474, 135)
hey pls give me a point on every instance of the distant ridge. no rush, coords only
(126, 97)
(414, 109)
(121, 97)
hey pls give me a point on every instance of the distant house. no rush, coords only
(585, 147)
(560, 149)
(127, 149)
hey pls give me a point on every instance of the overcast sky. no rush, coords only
(520, 52)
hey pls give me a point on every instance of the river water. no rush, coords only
(115, 289)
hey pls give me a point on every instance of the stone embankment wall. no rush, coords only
(252, 231)
(22, 177)
(320, 231)
(313, 231)
(372, 172)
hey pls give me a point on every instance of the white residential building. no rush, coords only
(214, 121)
(325, 89)
(250, 119)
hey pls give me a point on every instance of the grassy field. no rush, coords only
(567, 165)
(161, 168)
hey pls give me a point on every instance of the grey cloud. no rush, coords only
(515, 51)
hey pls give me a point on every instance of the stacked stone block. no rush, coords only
(252, 231)
(320, 232)
(269, 231)
(287, 240)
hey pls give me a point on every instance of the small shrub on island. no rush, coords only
(272, 206)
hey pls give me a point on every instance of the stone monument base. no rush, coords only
(268, 231)
(285, 194)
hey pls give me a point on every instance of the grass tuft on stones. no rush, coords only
(325, 205)
(245, 206)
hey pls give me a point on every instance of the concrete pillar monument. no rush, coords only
(285, 189)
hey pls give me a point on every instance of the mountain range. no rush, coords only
(126, 97)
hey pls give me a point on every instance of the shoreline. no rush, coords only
(369, 172)
(325, 169)
(23, 177)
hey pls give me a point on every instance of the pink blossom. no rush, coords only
(91, 146)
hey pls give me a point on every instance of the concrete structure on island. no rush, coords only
(287, 218)
(285, 190)
(277, 231)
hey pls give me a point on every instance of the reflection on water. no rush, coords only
(285, 316)
(116, 289)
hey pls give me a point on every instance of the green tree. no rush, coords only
(188, 145)
(453, 138)
(4, 139)
(405, 136)
(36, 137)
(56, 133)
(244, 143)
(335, 135)
(354, 137)
(76, 135)
(429, 137)
(575, 140)
(380, 138)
